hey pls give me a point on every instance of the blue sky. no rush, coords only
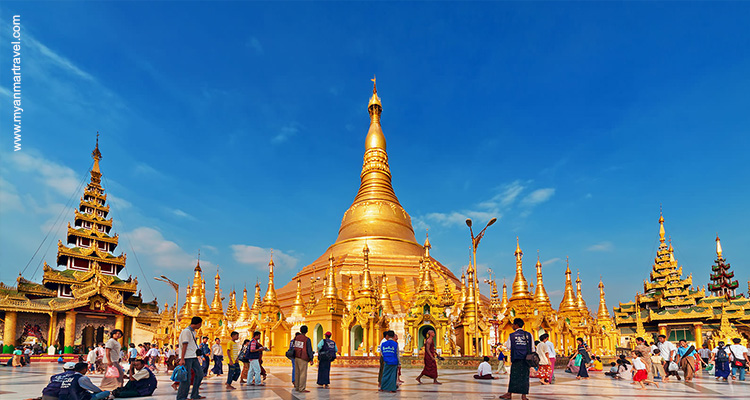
(237, 127)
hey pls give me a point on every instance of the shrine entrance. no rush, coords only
(422, 332)
(355, 340)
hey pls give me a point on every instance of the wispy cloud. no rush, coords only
(602, 246)
(506, 198)
(182, 214)
(551, 261)
(56, 176)
(254, 44)
(286, 133)
(259, 256)
(9, 198)
(155, 250)
(5, 92)
(57, 59)
(537, 197)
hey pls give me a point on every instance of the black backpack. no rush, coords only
(328, 352)
(721, 354)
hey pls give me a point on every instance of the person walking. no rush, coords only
(303, 354)
(327, 350)
(686, 359)
(216, 352)
(430, 359)
(243, 358)
(738, 353)
(645, 350)
(114, 375)
(254, 352)
(657, 365)
(501, 362)
(583, 372)
(552, 359)
(382, 363)
(189, 354)
(668, 352)
(291, 346)
(542, 350)
(705, 354)
(720, 357)
(233, 364)
(206, 356)
(520, 344)
(389, 351)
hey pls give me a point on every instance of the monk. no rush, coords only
(430, 359)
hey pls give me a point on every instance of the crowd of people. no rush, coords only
(189, 361)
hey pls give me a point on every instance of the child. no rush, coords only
(612, 370)
(91, 359)
(624, 369)
(641, 375)
(597, 365)
(657, 366)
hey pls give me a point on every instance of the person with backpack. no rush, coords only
(303, 354)
(520, 344)
(244, 360)
(327, 350)
(720, 357)
(254, 352)
(739, 359)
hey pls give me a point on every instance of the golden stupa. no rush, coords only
(377, 221)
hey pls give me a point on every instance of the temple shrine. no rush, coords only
(670, 305)
(82, 298)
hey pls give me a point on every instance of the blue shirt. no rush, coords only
(389, 350)
(682, 350)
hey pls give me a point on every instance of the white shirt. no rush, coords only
(216, 349)
(153, 352)
(551, 350)
(91, 357)
(114, 349)
(737, 351)
(381, 343)
(704, 352)
(140, 374)
(666, 350)
(638, 364)
(484, 369)
(187, 340)
(542, 349)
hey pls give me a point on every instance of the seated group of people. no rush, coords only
(73, 384)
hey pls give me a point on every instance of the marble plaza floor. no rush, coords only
(348, 383)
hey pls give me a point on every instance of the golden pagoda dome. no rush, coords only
(244, 314)
(270, 296)
(540, 297)
(232, 307)
(580, 303)
(385, 297)
(603, 313)
(504, 299)
(257, 302)
(217, 309)
(366, 288)
(330, 290)
(298, 309)
(350, 296)
(568, 303)
(520, 285)
(426, 286)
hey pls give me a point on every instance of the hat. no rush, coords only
(69, 365)
(328, 333)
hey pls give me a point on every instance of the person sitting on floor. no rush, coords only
(597, 365)
(78, 386)
(142, 382)
(612, 370)
(52, 390)
(485, 370)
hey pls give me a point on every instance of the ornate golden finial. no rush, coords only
(270, 296)
(580, 303)
(426, 286)
(718, 247)
(298, 308)
(257, 301)
(662, 233)
(385, 296)
(427, 245)
(217, 311)
(374, 91)
(330, 291)
(540, 296)
(366, 285)
(568, 303)
(520, 285)
(96, 174)
(603, 313)
(244, 314)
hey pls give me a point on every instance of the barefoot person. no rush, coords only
(520, 344)
(389, 351)
(430, 359)
(114, 375)
(641, 373)
(485, 370)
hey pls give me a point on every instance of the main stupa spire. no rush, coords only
(376, 211)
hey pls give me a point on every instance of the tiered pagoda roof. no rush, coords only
(721, 276)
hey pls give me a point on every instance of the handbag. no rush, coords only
(673, 367)
(738, 362)
(577, 360)
(533, 360)
(290, 353)
(243, 356)
(179, 374)
(112, 372)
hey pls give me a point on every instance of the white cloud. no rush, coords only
(182, 214)
(538, 196)
(286, 133)
(56, 176)
(603, 246)
(259, 256)
(551, 261)
(156, 251)
(5, 92)
(254, 44)
(9, 198)
(118, 203)
(57, 59)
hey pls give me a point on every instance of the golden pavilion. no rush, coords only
(81, 299)
(671, 305)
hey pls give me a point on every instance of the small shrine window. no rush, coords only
(426, 309)
(104, 246)
(80, 264)
(64, 291)
(84, 242)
